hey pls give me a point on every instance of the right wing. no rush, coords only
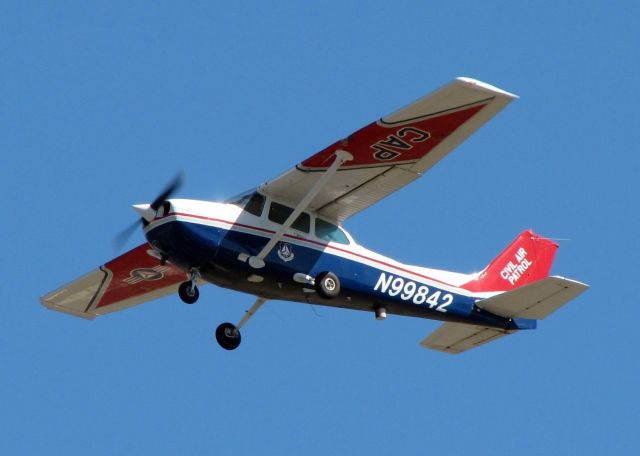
(133, 278)
(393, 151)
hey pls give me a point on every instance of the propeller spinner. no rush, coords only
(148, 212)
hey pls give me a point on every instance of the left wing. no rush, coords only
(132, 278)
(393, 151)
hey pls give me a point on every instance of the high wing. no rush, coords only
(393, 151)
(133, 278)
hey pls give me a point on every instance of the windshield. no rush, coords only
(252, 202)
(330, 232)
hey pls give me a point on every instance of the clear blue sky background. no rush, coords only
(102, 102)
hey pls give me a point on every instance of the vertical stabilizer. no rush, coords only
(527, 259)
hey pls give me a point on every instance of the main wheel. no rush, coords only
(228, 336)
(187, 293)
(327, 285)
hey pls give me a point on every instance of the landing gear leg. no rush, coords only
(228, 334)
(188, 291)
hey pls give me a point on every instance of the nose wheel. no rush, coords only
(188, 292)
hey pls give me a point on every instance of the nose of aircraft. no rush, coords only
(145, 211)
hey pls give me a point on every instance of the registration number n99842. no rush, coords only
(411, 291)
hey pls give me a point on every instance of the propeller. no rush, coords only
(148, 211)
(173, 186)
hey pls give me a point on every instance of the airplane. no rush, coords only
(284, 240)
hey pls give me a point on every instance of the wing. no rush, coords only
(393, 151)
(132, 278)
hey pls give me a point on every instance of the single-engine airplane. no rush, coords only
(284, 240)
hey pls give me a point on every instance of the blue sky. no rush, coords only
(101, 104)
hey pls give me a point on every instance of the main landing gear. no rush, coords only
(326, 284)
(228, 335)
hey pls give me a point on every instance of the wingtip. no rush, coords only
(486, 87)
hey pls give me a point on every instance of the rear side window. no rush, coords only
(279, 213)
(330, 232)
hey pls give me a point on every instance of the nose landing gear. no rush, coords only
(188, 291)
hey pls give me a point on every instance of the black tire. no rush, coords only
(228, 336)
(327, 285)
(188, 295)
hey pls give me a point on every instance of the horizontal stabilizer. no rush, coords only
(458, 337)
(536, 300)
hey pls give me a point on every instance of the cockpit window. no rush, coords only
(253, 203)
(279, 213)
(330, 232)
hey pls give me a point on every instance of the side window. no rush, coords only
(279, 213)
(330, 232)
(255, 204)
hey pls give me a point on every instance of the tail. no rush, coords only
(527, 259)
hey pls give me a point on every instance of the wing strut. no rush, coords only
(342, 156)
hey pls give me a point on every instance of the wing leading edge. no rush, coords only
(393, 151)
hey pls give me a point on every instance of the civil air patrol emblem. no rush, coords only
(146, 274)
(285, 252)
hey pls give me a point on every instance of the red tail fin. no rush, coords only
(527, 259)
